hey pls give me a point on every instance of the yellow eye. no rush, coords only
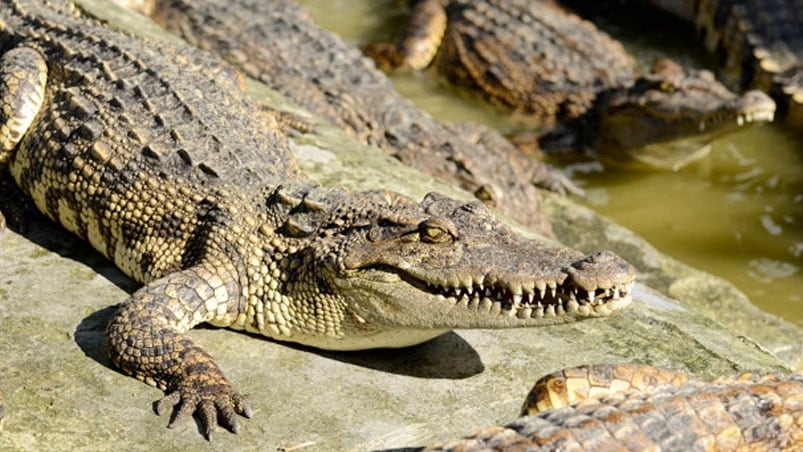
(434, 233)
(667, 87)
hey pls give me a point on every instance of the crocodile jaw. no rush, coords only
(385, 300)
(668, 117)
(682, 132)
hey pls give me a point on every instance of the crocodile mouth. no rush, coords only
(538, 300)
(757, 114)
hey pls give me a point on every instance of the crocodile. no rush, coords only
(279, 44)
(759, 42)
(181, 180)
(638, 407)
(548, 67)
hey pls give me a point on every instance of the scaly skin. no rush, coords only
(280, 45)
(549, 67)
(144, 151)
(761, 43)
(632, 407)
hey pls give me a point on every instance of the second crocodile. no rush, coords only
(549, 67)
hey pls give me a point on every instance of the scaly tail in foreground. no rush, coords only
(637, 407)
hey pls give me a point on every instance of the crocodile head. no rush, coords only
(667, 117)
(401, 273)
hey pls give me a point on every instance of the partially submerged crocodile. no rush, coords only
(549, 67)
(176, 176)
(632, 407)
(760, 42)
(278, 44)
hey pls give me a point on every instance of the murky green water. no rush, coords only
(737, 213)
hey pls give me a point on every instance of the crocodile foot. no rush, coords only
(16, 209)
(208, 394)
(552, 179)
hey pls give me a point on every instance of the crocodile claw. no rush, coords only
(214, 403)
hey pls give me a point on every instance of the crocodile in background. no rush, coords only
(569, 81)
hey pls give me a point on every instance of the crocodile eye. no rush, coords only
(434, 233)
(667, 87)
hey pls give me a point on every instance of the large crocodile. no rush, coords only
(760, 42)
(179, 179)
(278, 44)
(632, 407)
(548, 66)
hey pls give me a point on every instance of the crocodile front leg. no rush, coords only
(419, 42)
(147, 341)
(23, 76)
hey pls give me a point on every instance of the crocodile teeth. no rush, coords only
(463, 303)
(541, 286)
(485, 305)
(539, 311)
(496, 309)
(551, 299)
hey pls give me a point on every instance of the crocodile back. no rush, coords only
(125, 130)
(530, 57)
